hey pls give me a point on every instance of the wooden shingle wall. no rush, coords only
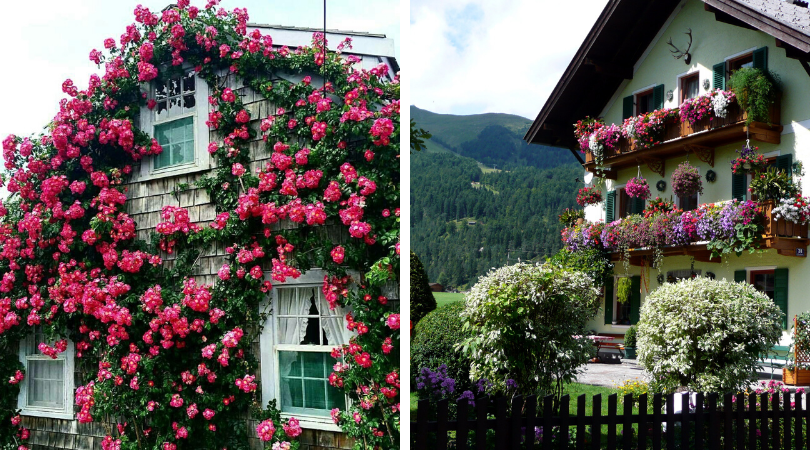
(145, 200)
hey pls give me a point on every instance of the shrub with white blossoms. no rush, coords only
(705, 335)
(524, 320)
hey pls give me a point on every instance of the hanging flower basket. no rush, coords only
(638, 187)
(589, 196)
(749, 161)
(686, 181)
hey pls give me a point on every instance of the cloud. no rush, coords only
(477, 56)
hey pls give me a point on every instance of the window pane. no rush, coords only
(177, 139)
(305, 385)
(46, 383)
(764, 282)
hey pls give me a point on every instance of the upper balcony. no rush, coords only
(701, 139)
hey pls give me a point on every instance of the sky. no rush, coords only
(48, 41)
(479, 56)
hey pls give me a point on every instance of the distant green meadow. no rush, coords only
(443, 298)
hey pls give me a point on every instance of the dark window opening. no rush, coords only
(644, 102)
(763, 281)
(690, 87)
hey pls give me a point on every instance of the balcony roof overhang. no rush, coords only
(618, 39)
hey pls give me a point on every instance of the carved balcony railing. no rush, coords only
(678, 139)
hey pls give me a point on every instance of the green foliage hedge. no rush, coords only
(436, 336)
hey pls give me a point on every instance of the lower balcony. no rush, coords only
(679, 138)
(787, 238)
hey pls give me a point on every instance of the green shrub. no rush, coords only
(705, 335)
(436, 336)
(756, 90)
(525, 320)
(630, 337)
(422, 300)
(593, 262)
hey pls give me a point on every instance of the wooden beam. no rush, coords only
(793, 52)
(615, 70)
(723, 17)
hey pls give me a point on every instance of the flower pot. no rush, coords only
(630, 353)
(796, 377)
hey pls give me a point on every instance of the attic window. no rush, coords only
(745, 61)
(690, 86)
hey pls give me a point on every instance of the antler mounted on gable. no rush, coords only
(677, 53)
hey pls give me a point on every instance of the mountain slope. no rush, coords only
(491, 139)
(466, 218)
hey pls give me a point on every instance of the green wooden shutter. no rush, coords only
(610, 206)
(761, 58)
(780, 292)
(658, 96)
(637, 206)
(740, 275)
(635, 299)
(719, 76)
(739, 189)
(784, 163)
(627, 107)
(609, 301)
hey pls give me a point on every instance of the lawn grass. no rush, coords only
(443, 298)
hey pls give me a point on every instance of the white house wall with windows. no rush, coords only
(300, 330)
(626, 67)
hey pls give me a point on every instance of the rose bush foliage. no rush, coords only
(524, 320)
(706, 335)
(165, 356)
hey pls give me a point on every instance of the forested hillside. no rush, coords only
(465, 222)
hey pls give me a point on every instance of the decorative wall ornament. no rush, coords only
(678, 53)
(711, 176)
(670, 95)
(661, 185)
(660, 278)
(706, 84)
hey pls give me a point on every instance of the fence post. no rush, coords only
(515, 420)
(752, 420)
(798, 414)
(700, 420)
(422, 407)
(642, 420)
(685, 406)
(764, 430)
(788, 418)
(581, 422)
(548, 412)
(728, 409)
(657, 404)
(627, 422)
(714, 422)
(481, 407)
(441, 423)
(531, 418)
(775, 438)
(501, 424)
(596, 428)
(670, 421)
(564, 412)
(611, 421)
(462, 423)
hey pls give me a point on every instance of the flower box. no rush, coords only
(796, 377)
(780, 227)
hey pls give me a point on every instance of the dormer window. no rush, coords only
(177, 122)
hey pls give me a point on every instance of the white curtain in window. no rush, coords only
(332, 322)
(46, 383)
(293, 302)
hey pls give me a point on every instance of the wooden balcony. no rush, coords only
(788, 238)
(701, 139)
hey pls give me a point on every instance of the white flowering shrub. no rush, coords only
(526, 321)
(706, 335)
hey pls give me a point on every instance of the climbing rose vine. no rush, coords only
(164, 357)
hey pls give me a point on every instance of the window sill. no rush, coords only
(621, 327)
(315, 423)
(49, 414)
(185, 169)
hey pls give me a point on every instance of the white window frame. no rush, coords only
(271, 382)
(635, 96)
(677, 92)
(39, 411)
(202, 159)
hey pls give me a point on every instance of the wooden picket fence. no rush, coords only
(741, 421)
